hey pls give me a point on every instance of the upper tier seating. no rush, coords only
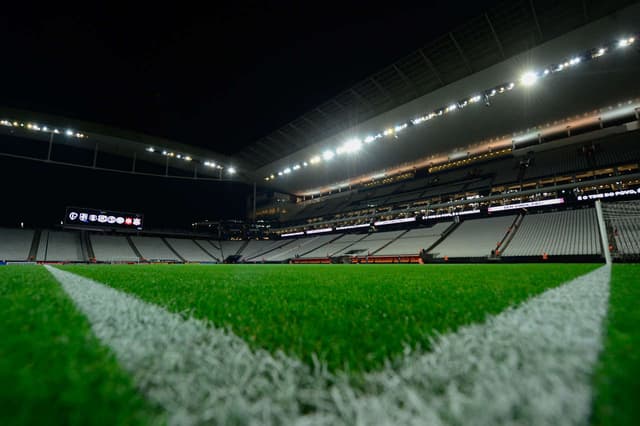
(112, 248)
(571, 232)
(15, 244)
(474, 238)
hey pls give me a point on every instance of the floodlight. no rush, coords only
(328, 155)
(315, 159)
(529, 78)
(231, 170)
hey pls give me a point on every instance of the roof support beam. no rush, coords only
(267, 146)
(330, 120)
(462, 55)
(299, 130)
(361, 98)
(535, 19)
(495, 35)
(290, 138)
(312, 123)
(431, 67)
(255, 153)
(381, 89)
(406, 79)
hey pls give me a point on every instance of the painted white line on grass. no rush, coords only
(526, 366)
(197, 373)
(530, 365)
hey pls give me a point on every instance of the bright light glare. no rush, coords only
(529, 78)
(328, 155)
(350, 146)
(287, 171)
(231, 170)
(315, 159)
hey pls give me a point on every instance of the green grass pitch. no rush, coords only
(353, 317)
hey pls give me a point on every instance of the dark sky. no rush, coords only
(219, 78)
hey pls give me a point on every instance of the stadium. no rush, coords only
(452, 240)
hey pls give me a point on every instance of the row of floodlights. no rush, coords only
(45, 129)
(528, 78)
(185, 157)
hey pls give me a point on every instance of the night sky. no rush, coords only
(220, 79)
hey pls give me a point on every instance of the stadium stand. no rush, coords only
(370, 244)
(189, 250)
(340, 243)
(623, 225)
(231, 248)
(112, 248)
(256, 249)
(298, 247)
(415, 240)
(571, 232)
(60, 246)
(15, 244)
(154, 248)
(474, 238)
(212, 248)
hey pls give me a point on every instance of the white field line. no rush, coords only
(530, 365)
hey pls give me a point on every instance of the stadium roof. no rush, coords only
(445, 67)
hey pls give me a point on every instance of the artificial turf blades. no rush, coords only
(617, 379)
(354, 318)
(52, 370)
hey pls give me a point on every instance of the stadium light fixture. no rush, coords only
(529, 78)
(231, 170)
(69, 132)
(328, 154)
(287, 171)
(296, 167)
(350, 146)
(151, 149)
(305, 164)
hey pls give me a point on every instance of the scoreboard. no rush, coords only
(104, 219)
